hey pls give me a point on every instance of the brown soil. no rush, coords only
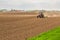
(21, 28)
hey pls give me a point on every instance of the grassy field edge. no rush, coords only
(53, 34)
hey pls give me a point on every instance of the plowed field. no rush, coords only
(21, 28)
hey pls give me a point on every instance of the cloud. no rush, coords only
(30, 4)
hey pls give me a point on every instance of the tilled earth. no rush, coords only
(21, 28)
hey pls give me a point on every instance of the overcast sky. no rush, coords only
(30, 4)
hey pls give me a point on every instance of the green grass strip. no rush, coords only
(53, 34)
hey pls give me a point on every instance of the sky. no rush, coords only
(30, 4)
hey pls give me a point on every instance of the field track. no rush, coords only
(21, 28)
